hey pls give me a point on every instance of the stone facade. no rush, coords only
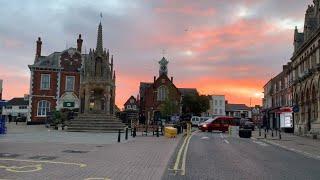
(297, 86)
(97, 90)
(306, 72)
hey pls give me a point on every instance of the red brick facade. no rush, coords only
(149, 102)
(58, 65)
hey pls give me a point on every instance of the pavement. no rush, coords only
(33, 152)
(299, 144)
(218, 156)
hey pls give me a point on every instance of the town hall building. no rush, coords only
(71, 79)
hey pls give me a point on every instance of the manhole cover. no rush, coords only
(99, 146)
(9, 155)
(43, 157)
(74, 151)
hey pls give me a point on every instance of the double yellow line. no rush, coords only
(183, 149)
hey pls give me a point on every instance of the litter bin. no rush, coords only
(245, 133)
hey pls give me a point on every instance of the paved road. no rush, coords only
(217, 156)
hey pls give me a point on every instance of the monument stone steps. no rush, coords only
(95, 123)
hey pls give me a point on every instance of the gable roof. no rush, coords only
(128, 101)
(188, 91)
(236, 107)
(18, 102)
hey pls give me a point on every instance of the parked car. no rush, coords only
(220, 123)
(248, 125)
(196, 120)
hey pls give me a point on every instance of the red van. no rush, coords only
(220, 123)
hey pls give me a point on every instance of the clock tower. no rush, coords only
(163, 66)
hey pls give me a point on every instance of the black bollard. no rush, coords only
(259, 131)
(272, 132)
(279, 134)
(134, 132)
(157, 131)
(127, 130)
(265, 133)
(276, 132)
(119, 135)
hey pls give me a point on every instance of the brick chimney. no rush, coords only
(171, 79)
(38, 50)
(154, 79)
(79, 43)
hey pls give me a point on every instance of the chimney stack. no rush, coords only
(154, 79)
(171, 79)
(38, 51)
(79, 43)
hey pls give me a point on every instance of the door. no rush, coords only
(309, 120)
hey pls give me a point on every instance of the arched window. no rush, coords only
(43, 107)
(162, 93)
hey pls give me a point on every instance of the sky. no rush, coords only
(230, 47)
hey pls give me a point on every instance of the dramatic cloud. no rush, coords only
(219, 47)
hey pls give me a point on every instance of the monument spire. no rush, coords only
(99, 48)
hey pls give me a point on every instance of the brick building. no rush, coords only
(153, 95)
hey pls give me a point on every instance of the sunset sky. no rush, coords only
(230, 47)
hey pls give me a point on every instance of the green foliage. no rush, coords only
(168, 108)
(195, 104)
(56, 117)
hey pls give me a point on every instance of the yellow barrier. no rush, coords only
(170, 132)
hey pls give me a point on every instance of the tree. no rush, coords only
(168, 107)
(195, 104)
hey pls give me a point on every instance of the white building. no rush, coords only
(16, 107)
(238, 110)
(217, 105)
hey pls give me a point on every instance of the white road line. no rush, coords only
(260, 143)
(205, 137)
(226, 141)
(221, 135)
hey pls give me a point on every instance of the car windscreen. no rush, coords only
(210, 120)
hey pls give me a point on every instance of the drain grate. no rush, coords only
(8, 155)
(74, 151)
(43, 157)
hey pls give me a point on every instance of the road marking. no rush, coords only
(176, 164)
(260, 143)
(226, 141)
(183, 165)
(17, 169)
(205, 137)
(221, 135)
(49, 162)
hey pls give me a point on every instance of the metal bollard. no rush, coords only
(119, 135)
(134, 132)
(272, 132)
(265, 133)
(259, 131)
(279, 134)
(157, 131)
(276, 132)
(127, 130)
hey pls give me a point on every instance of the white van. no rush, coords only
(196, 120)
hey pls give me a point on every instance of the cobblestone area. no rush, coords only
(139, 158)
(303, 145)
